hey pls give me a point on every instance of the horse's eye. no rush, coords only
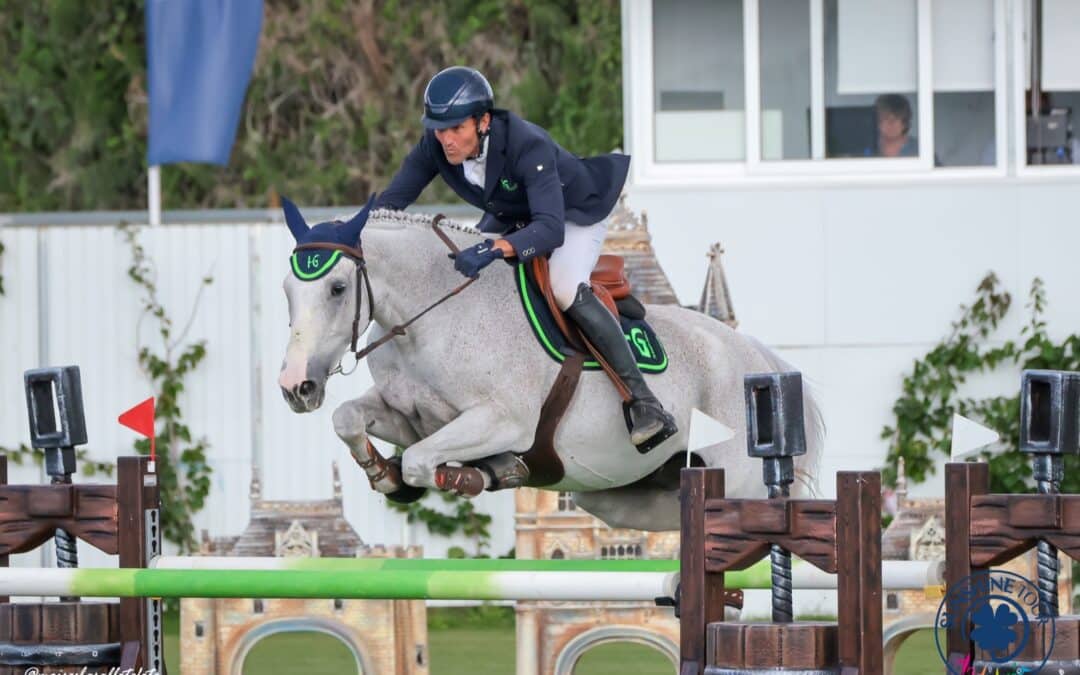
(338, 288)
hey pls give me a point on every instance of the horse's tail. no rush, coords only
(807, 466)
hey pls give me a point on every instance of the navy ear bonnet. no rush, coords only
(311, 264)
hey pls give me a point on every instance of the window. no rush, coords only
(566, 501)
(620, 552)
(200, 629)
(785, 79)
(735, 89)
(339, 604)
(1050, 97)
(698, 95)
(257, 606)
(965, 104)
(892, 601)
(871, 79)
(557, 554)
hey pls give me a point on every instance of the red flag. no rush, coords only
(141, 419)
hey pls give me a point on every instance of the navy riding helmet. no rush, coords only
(454, 95)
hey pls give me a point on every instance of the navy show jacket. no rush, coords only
(532, 186)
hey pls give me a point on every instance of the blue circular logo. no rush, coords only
(1000, 612)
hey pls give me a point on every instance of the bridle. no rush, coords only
(356, 254)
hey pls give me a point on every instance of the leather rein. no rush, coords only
(356, 253)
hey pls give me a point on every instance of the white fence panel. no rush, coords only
(93, 315)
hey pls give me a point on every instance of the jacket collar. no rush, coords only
(496, 153)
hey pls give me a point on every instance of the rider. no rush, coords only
(540, 198)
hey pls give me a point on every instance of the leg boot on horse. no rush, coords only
(651, 424)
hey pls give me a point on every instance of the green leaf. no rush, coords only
(923, 412)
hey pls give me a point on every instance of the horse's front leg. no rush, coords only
(368, 415)
(476, 433)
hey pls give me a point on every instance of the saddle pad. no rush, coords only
(644, 344)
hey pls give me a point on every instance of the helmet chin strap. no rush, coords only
(481, 137)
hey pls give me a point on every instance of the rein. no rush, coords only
(357, 255)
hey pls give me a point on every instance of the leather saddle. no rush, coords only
(609, 283)
(612, 287)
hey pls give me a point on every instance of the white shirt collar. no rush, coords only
(476, 169)
(483, 150)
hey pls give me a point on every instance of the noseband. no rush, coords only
(356, 253)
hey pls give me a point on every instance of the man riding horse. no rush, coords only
(540, 200)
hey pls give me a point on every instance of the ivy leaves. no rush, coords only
(930, 392)
(183, 469)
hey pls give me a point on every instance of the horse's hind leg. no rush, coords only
(474, 434)
(633, 507)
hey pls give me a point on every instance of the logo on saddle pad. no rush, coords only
(646, 347)
(640, 340)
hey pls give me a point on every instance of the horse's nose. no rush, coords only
(307, 388)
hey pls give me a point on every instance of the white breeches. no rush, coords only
(572, 263)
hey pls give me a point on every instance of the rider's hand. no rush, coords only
(475, 258)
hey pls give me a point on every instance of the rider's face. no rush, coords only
(462, 141)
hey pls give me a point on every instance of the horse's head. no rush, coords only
(323, 289)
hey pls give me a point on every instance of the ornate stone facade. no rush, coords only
(551, 636)
(385, 636)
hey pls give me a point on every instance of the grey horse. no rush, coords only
(467, 380)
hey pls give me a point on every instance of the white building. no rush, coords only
(749, 122)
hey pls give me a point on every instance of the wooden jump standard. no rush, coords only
(841, 536)
(118, 519)
(986, 530)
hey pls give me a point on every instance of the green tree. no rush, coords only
(332, 108)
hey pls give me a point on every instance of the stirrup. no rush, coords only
(667, 431)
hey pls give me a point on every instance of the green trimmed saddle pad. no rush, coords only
(644, 344)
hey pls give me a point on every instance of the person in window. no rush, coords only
(893, 115)
(538, 199)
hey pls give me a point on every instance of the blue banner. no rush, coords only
(199, 58)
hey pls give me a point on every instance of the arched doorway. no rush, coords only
(568, 659)
(901, 630)
(340, 634)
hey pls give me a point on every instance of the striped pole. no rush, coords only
(278, 578)
(344, 584)
(897, 574)
(410, 564)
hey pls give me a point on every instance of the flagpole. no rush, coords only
(154, 194)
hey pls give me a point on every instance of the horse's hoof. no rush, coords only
(405, 493)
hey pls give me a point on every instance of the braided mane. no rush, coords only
(391, 219)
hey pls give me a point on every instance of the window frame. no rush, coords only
(639, 109)
(1019, 114)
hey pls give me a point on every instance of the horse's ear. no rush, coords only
(294, 220)
(352, 229)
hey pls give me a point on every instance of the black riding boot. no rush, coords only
(647, 416)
